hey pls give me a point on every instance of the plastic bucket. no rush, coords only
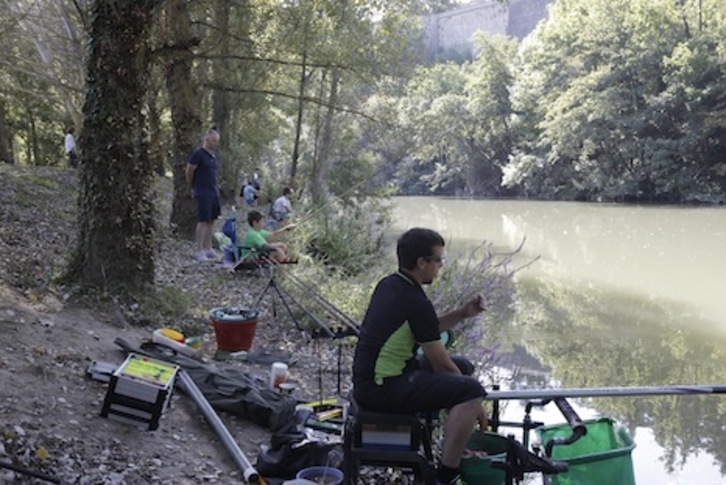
(234, 328)
(601, 457)
(477, 470)
(321, 474)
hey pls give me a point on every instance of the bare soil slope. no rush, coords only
(49, 408)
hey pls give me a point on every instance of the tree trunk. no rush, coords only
(34, 157)
(221, 106)
(318, 188)
(6, 147)
(156, 141)
(116, 234)
(298, 123)
(184, 105)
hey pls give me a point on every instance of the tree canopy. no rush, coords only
(606, 100)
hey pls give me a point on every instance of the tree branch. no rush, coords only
(296, 97)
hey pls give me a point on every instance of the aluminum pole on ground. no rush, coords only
(248, 471)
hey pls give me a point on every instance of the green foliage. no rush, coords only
(457, 118)
(346, 234)
(615, 104)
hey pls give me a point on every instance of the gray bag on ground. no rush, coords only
(229, 390)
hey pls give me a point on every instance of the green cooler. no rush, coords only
(602, 457)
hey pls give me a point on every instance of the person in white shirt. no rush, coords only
(282, 207)
(70, 145)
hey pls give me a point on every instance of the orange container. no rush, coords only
(234, 328)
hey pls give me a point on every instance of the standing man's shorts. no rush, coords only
(207, 208)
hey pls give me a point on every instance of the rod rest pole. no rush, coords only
(578, 427)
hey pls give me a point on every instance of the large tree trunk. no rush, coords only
(184, 105)
(116, 240)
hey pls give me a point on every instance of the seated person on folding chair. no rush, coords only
(388, 378)
(257, 243)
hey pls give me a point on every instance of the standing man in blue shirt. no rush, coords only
(202, 178)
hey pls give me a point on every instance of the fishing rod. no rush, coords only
(326, 304)
(327, 330)
(305, 217)
(285, 296)
(604, 392)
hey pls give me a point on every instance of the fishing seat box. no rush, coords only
(383, 439)
(140, 391)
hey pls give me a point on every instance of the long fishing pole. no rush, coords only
(307, 216)
(605, 392)
(321, 325)
(326, 304)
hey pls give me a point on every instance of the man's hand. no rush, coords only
(474, 306)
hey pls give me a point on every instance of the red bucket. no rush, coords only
(234, 328)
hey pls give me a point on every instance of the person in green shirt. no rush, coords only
(259, 239)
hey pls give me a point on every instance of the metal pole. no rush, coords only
(248, 471)
(605, 392)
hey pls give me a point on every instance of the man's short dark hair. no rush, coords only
(254, 216)
(286, 191)
(416, 243)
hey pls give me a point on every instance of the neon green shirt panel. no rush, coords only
(394, 353)
(254, 239)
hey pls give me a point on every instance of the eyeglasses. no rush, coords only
(438, 259)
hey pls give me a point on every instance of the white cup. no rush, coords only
(278, 375)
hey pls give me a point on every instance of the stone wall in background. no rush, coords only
(452, 33)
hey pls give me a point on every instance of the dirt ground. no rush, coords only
(50, 409)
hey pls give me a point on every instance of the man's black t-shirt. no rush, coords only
(399, 318)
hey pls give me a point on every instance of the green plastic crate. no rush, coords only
(602, 457)
(479, 471)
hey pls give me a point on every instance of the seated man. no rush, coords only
(282, 207)
(387, 377)
(258, 239)
(250, 194)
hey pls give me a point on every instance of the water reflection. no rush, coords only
(591, 340)
(621, 296)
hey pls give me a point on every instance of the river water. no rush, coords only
(619, 295)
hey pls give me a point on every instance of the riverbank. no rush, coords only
(50, 334)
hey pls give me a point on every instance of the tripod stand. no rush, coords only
(282, 294)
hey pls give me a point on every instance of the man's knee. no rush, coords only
(472, 406)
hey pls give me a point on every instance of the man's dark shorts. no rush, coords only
(207, 207)
(418, 391)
